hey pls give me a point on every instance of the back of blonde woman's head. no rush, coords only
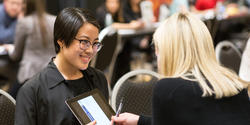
(184, 46)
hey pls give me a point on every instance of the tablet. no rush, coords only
(91, 106)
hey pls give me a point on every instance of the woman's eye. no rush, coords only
(85, 41)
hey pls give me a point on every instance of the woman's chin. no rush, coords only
(84, 66)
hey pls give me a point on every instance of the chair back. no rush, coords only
(136, 94)
(103, 58)
(228, 55)
(7, 108)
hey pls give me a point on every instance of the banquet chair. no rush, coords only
(7, 108)
(136, 93)
(228, 55)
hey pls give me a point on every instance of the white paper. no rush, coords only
(94, 110)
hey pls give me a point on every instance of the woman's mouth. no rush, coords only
(85, 59)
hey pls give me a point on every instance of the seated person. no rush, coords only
(195, 89)
(110, 13)
(10, 11)
(41, 100)
(131, 13)
(33, 42)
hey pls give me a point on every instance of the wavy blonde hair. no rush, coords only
(184, 47)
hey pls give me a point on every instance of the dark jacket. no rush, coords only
(41, 101)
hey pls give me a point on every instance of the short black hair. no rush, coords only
(68, 22)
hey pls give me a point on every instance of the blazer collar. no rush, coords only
(55, 77)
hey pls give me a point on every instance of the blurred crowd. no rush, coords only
(26, 28)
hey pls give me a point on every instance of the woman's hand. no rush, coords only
(92, 123)
(136, 24)
(125, 119)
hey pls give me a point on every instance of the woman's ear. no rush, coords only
(60, 43)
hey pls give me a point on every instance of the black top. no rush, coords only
(178, 102)
(41, 101)
(128, 13)
(77, 87)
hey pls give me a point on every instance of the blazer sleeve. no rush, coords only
(19, 41)
(25, 113)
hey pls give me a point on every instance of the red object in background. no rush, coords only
(205, 4)
(157, 4)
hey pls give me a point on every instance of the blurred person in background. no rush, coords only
(131, 14)
(157, 4)
(10, 11)
(131, 10)
(41, 100)
(111, 14)
(195, 89)
(33, 45)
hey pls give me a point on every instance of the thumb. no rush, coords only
(92, 123)
(112, 122)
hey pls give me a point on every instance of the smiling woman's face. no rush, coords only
(74, 55)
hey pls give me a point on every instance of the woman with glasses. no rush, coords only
(41, 101)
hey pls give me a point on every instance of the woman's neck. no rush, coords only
(68, 71)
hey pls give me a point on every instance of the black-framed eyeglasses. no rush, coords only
(85, 44)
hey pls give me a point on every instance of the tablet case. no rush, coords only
(79, 112)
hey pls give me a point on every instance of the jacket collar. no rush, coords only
(55, 77)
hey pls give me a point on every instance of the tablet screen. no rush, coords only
(91, 106)
(93, 110)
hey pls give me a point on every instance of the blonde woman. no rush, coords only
(195, 88)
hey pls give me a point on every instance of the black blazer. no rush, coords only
(41, 101)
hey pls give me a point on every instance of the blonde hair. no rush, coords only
(184, 47)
